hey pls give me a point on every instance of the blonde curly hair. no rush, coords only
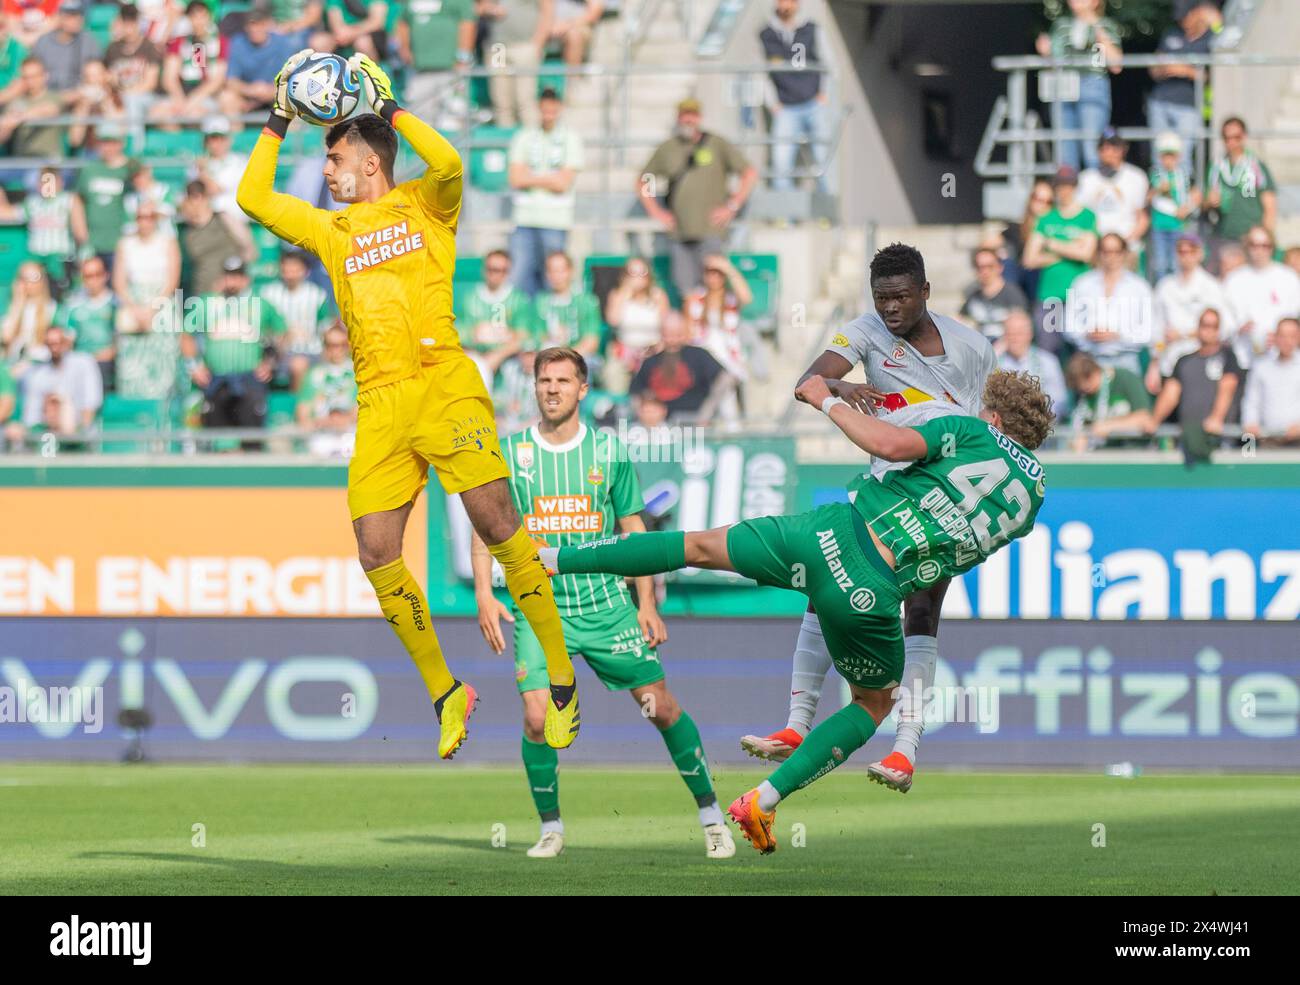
(1025, 410)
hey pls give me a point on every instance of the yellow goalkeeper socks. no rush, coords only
(406, 610)
(531, 589)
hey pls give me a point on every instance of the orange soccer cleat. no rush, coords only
(894, 771)
(754, 822)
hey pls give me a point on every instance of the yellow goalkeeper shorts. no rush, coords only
(442, 416)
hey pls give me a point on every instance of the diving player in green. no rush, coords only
(973, 486)
(573, 484)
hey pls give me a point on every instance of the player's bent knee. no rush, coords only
(877, 702)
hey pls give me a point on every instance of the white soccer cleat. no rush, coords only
(894, 771)
(718, 842)
(548, 846)
(777, 747)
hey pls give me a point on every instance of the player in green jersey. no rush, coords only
(573, 484)
(973, 486)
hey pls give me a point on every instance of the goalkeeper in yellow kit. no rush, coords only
(390, 255)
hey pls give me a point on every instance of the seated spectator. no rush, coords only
(220, 168)
(1180, 298)
(572, 27)
(256, 53)
(98, 212)
(1271, 408)
(796, 100)
(236, 360)
(691, 170)
(134, 64)
(89, 316)
(299, 22)
(146, 272)
(1015, 237)
(97, 96)
(1240, 193)
(1109, 310)
(71, 379)
(544, 163)
(1061, 247)
(436, 42)
(1107, 400)
(566, 318)
(305, 310)
(1116, 192)
(209, 238)
(31, 311)
(21, 126)
(65, 50)
(144, 187)
(1172, 198)
(1202, 392)
(1017, 352)
(494, 317)
(680, 383)
(327, 400)
(1260, 295)
(514, 394)
(48, 214)
(161, 20)
(194, 71)
(712, 315)
(991, 298)
(1085, 33)
(359, 26)
(635, 311)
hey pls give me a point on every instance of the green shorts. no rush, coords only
(609, 640)
(827, 554)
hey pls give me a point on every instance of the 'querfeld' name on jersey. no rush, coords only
(975, 491)
(571, 493)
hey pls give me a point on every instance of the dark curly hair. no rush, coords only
(1019, 400)
(898, 260)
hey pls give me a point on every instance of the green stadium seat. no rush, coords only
(468, 269)
(130, 414)
(99, 21)
(168, 143)
(553, 81)
(760, 271)
(13, 251)
(280, 408)
(489, 166)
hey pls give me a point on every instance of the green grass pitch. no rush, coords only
(429, 829)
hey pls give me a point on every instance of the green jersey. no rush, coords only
(329, 388)
(485, 320)
(571, 493)
(235, 332)
(975, 491)
(1055, 280)
(435, 26)
(566, 321)
(92, 320)
(101, 189)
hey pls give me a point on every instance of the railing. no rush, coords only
(1023, 135)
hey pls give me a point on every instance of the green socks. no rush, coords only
(687, 751)
(632, 556)
(541, 764)
(826, 747)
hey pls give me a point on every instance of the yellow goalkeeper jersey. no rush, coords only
(390, 261)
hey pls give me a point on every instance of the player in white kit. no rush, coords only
(919, 365)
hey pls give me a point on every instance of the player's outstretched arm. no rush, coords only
(872, 435)
(441, 185)
(287, 216)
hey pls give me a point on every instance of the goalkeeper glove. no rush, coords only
(376, 84)
(282, 107)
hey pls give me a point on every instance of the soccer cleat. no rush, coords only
(718, 842)
(563, 718)
(894, 771)
(549, 845)
(755, 823)
(776, 747)
(453, 710)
